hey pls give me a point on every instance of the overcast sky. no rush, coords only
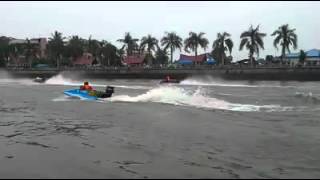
(110, 20)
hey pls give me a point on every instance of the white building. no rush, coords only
(312, 57)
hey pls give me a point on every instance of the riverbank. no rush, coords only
(233, 73)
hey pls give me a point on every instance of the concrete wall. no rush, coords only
(235, 73)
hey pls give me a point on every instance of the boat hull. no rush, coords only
(79, 94)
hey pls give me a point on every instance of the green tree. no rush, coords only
(120, 53)
(173, 41)
(285, 37)
(109, 54)
(302, 57)
(56, 46)
(75, 47)
(222, 44)
(194, 41)
(151, 44)
(129, 43)
(252, 40)
(269, 59)
(161, 56)
(93, 46)
(4, 50)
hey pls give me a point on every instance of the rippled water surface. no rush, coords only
(200, 128)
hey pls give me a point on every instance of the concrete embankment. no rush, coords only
(305, 73)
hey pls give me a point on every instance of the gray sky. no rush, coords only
(110, 20)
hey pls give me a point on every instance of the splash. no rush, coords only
(212, 82)
(199, 99)
(194, 82)
(17, 81)
(303, 94)
(61, 80)
(308, 96)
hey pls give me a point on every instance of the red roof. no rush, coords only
(199, 58)
(85, 59)
(135, 59)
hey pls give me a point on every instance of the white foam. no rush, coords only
(193, 82)
(61, 98)
(303, 94)
(211, 82)
(179, 96)
(61, 80)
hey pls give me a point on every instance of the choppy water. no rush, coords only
(200, 128)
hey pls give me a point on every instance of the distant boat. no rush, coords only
(39, 80)
(169, 81)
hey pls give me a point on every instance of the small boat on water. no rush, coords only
(90, 95)
(39, 80)
(169, 81)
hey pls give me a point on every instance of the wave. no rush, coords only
(17, 81)
(61, 80)
(308, 96)
(179, 96)
(61, 98)
(303, 94)
(193, 82)
(210, 82)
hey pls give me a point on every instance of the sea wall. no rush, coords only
(304, 73)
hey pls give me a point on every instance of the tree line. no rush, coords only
(62, 50)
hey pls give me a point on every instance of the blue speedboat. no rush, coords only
(86, 95)
(82, 94)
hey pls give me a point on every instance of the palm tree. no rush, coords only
(285, 37)
(162, 56)
(252, 39)
(92, 46)
(56, 46)
(173, 41)
(109, 54)
(75, 47)
(4, 50)
(129, 42)
(221, 44)
(120, 53)
(151, 44)
(194, 41)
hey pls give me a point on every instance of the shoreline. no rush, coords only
(234, 73)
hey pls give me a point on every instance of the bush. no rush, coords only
(2, 63)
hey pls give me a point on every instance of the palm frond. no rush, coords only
(242, 43)
(245, 34)
(276, 32)
(260, 42)
(229, 44)
(277, 41)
